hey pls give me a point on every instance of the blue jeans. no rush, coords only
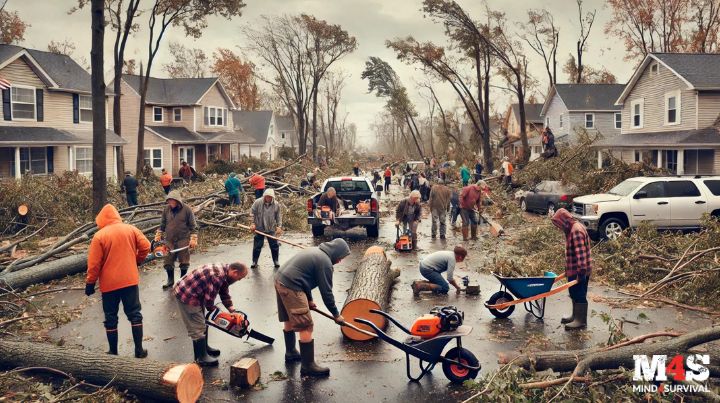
(234, 199)
(578, 292)
(435, 278)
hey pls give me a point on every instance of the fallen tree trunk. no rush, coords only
(44, 272)
(149, 378)
(370, 289)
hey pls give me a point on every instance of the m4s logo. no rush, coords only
(658, 368)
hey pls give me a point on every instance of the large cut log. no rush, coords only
(149, 378)
(44, 272)
(370, 289)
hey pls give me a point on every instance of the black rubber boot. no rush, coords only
(137, 333)
(291, 352)
(213, 352)
(170, 270)
(307, 357)
(580, 320)
(112, 337)
(183, 270)
(473, 232)
(201, 356)
(568, 319)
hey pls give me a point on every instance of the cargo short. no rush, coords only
(293, 307)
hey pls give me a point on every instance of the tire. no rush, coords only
(456, 373)
(373, 231)
(318, 230)
(500, 297)
(523, 205)
(550, 209)
(611, 228)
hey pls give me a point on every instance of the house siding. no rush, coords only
(214, 98)
(708, 108)
(555, 109)
(604, 124)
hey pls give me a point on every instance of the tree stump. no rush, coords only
(245, 373)
(149, 378)
(370, 289)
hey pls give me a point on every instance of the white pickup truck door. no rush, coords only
(687, 204)
(653, 209)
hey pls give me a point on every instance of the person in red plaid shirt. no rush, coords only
(578, 265)
(196, 292)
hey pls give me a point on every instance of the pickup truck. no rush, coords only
(351, 191)
(665, 202)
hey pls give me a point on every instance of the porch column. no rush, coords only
(18, 171)
(659, 159)
(599, 159)
(681, 162)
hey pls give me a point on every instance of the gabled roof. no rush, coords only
(59, 72)
(176, 91)
(532, 112)
(177, 134)
(708, 136)
(254, 125)
(586, 97)
(21, 135)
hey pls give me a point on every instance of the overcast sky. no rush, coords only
(370, 21)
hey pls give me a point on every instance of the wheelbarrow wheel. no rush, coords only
(499, 298)
(455, 373)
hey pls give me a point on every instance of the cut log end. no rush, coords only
(360, 308)
(245, 373)
(375, 250)
(187, 380)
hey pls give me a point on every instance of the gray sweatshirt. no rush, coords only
(442, 261)
(313, 267)
(266, 217)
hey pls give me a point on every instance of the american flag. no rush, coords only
(4, 84)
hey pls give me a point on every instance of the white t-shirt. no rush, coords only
(506, 167)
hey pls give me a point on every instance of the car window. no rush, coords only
(681, 189)
(654, 190)
(624, 188)
(714, 186)
(541, 187)
(348, 186)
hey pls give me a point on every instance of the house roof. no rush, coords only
(532, 112)
(22, 135)
(252, 125)
(532, 141)
(175, 91)
(708, 136)
(589, 97)
(61, 71)
(177, 134)
(285, 123)
(228, 137)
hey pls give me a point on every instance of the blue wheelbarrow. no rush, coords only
(530, 291)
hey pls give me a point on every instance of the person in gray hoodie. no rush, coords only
(311, 268)
(267, 218)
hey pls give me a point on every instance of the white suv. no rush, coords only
(666, 202)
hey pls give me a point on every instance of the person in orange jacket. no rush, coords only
(115, 252)
(257, 181)
(166, 181)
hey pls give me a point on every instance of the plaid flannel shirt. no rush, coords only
(578, 262)
(200, 286)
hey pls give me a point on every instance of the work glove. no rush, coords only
(193, 241)
(339, 319)
(158, 236)
(397, 223)
(89, 289)
(312, 305)
(278, 231)
(252, 227)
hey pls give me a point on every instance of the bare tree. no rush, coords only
(586, 22)
(99, 177)
(543, 37)
(186, 62)
(332, 90)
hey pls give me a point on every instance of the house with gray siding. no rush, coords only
(570, 108)
(533, 127)
(670, 111)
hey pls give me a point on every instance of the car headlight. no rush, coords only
(591, 209)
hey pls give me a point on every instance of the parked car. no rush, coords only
(361, 207)
(666, 202)
(547, 196)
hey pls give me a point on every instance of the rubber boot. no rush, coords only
(308, 365)
(212, 352)
(183, 270)
(580, 317)
(473, 232)
(568, 319)
(414, 244)
(464, 230)
(137, 333)
(112, 337)
(419, 286)
(291, 352)
(170, 270)
(201, 356)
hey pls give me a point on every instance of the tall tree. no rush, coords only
(586, 22)
(543, 37)
(332, 91)
(590, 76)
(239, 79)
(186, 62)
(705, 17)
(192, 16)
(97, 77)
(12, 27)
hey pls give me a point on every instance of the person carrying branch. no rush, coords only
(470, 208)
(233, 187)
(408, 213)
(267, 218)
(433, 265)
(257, 181)
(309, 269)
(578, 266)
(180, 230)
(196, 293)
(113, 258)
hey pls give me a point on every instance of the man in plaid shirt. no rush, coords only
(196, 292)
(578, 265)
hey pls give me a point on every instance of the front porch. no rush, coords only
(19, 161)
(700, 161)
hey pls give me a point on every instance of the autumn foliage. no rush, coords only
(238, 78)
(12, 28)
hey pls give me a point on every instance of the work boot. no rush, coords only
(568, 319)
(308, 365)
(112, 337)
(183, 270)
(419, 285)
(254, 265)
(414, 244)
(473, 232)
(137, 333)
(464, 230)
(201, 356)
(170, 270)
(291, 352)
(277, 265)
(580, 317)
(213, 352)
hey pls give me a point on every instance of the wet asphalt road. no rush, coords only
(373, 371)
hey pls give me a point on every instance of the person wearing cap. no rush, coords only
(180, 231)
(309, 269)
(433, 265)
(408, 213)
(130, 185)
(470, 208)
(233, 187)
(257, 181)
(267, 218)
(166, 181)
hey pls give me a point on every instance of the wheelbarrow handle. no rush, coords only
(343, 323)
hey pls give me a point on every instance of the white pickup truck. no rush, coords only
(665, 202)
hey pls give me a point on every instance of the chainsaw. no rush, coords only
(234, 323)
(160, 249)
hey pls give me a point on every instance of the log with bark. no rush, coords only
(45, 272)
(148, 378)
(370, 289)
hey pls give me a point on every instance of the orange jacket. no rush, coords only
(115, 251)
(166, 179)
(257, 181)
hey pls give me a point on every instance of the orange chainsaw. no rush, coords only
(234, 323)
(160, 249)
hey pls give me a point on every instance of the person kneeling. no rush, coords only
(432, 267)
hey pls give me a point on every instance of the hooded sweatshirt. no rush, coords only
(233, 186)
(178, 223)
(266, 216)
(578, 262)
(313, 267)
(115, 251)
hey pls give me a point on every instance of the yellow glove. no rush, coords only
(158, 235)
(193, 241)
